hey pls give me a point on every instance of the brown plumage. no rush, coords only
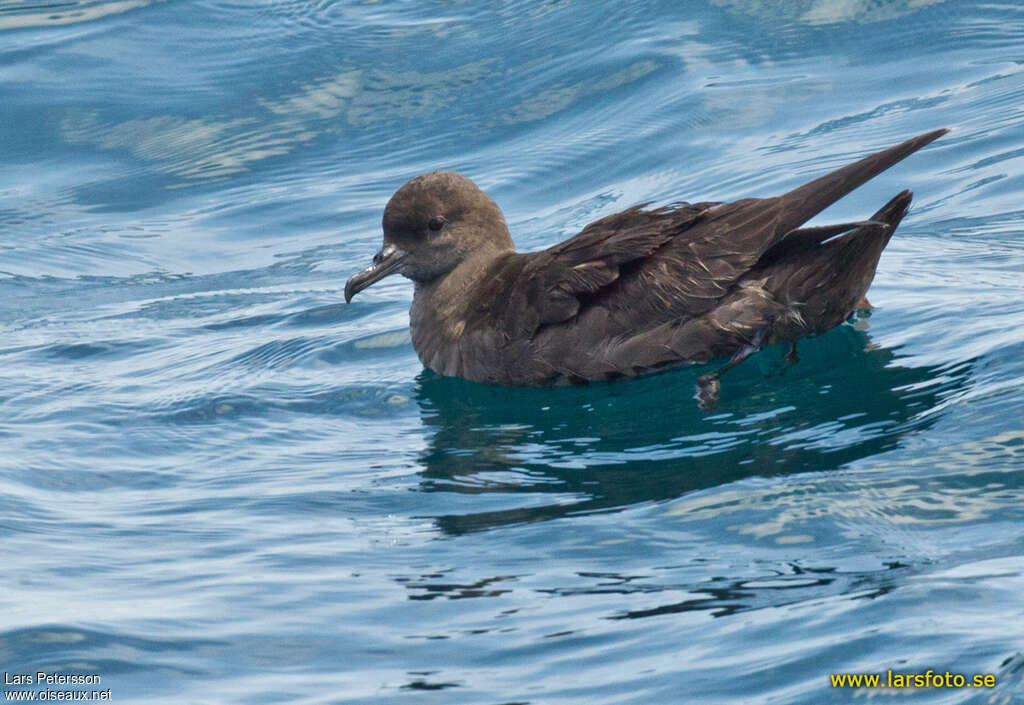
(636, 291)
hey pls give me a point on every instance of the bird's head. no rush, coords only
(431, 225)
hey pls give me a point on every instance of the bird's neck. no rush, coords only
(441, 307)
(447, 295)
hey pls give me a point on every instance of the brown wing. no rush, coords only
(553, 284)
(688, 276)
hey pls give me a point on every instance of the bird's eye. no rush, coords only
(436, 223)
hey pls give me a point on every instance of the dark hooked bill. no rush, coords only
(385, 262)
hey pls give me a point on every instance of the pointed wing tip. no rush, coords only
(927, 137)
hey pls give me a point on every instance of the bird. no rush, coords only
(640, 291)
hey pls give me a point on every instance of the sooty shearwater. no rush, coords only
(637, 291)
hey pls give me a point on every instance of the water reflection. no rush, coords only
(612, 445)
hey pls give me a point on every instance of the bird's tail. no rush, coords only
(862, 247)
(826, 274)
(894, 211)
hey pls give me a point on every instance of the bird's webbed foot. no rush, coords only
(708, 386)
(790, 358)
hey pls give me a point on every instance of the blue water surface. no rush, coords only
(220, 484)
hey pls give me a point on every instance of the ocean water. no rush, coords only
(220, 484)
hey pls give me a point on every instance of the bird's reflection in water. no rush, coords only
(606, 446)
